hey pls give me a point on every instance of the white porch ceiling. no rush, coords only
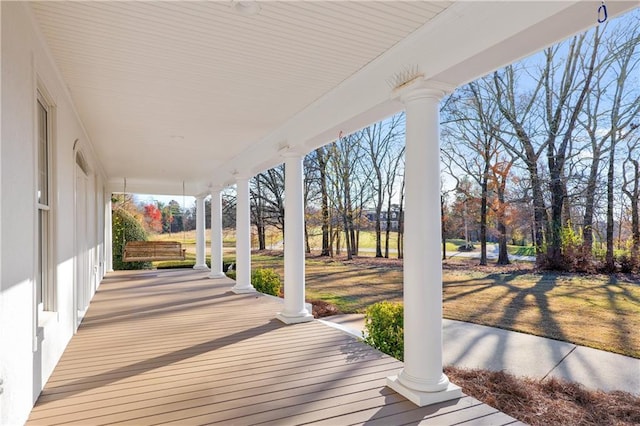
(194, 91)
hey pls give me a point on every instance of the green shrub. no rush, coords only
(231, 274)
(125, 227)
(266, 281)
(384, 328)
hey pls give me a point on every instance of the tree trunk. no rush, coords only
(330, 241)
(324, 201)
(378, 214)
(539, 213)
(387, 232)
(631, 188)
(635, 226)
(483, 208)
(590, 196)
(503, 253)
(554, 249)
(609, 257)
(354, 240)
(443, 229)
(635, 241)
(262, 244)
(505, 98)
(400, 242)
(347, 236)
(307, 247)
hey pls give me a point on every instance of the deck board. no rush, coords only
(176, 347)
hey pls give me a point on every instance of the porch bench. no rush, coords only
(146, 251)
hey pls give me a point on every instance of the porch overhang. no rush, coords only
(177, 95)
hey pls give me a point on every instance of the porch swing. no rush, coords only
(150, 251)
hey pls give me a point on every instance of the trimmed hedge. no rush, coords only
(384, 328)
(266, 281)
(125, 227)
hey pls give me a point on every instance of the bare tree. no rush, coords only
(626, 62)
(400, 242)
(631, 188)
(519, 109)
(267, 202)
(394, 164)
(472, 144)
(344, 167)
(499, 176)
(321, 160)
(311, 193)
(563, 104)
(378, 140)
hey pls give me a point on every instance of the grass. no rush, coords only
(521, 250)
(597, 311)
(367, 239)
(339, 282)
(189, 237)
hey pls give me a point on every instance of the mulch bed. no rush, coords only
(323, 309)
(548, 402)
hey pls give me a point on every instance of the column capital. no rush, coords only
(420, 89)
(290, 152)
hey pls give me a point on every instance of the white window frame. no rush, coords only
(45, 297)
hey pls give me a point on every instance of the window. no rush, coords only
(44, 290)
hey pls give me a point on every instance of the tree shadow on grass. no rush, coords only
(615, 292)
(517, 298)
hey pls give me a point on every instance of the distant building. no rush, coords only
(394, 214)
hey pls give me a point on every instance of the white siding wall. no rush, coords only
(25, 61)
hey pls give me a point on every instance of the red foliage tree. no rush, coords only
(153, 218)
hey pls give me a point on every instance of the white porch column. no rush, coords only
(295, 310)
(201, 263)
(422, 380)
(108, 236)
(216, 234)
(243, 238)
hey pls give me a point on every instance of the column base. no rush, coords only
(294, 319)
(243, 290)
(424, 398)
(202, 267)
(216, 275)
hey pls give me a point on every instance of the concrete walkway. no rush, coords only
(476, 346)
(493, 250)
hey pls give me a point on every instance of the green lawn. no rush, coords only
(598, 311)
(521, 250)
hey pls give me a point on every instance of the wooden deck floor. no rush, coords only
(176, 347)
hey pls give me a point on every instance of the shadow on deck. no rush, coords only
(177, 347)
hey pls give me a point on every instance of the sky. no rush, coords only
(186, 201)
